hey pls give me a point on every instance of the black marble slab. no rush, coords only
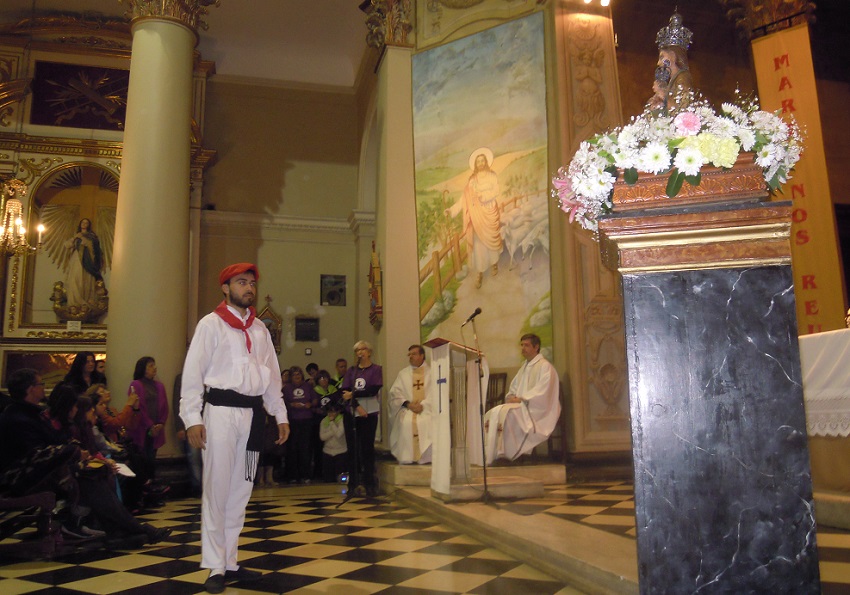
(723, 491)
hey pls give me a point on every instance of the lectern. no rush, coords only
(457, 420)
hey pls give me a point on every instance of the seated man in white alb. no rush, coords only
(411, 398)
(531, 408)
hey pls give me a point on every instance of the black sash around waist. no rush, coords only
(220, 397)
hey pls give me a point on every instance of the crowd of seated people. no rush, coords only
(52, 448)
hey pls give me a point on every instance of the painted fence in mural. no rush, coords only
(447, 262)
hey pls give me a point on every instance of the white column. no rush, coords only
(396, 210)
(150, 270)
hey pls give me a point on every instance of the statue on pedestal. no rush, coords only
(673, 87)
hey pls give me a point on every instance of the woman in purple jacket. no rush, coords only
(149, 432)
(361, 394)
(301, 400)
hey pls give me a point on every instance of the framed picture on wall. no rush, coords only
(306, 328)
(79, 96)
(332, 290)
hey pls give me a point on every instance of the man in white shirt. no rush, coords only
(230, 375)
(531, 410)
(410, 410)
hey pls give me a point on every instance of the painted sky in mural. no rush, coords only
(480, 138)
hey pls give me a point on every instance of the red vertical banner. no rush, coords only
(786, 82)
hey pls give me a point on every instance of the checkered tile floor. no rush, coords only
(309, 541)
(609, 506)
(302, 544)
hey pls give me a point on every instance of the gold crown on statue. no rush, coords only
(674, 33)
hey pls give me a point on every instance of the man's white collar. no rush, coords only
(238, 314)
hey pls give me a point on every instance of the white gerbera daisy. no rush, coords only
(654, 158)
(689, 161)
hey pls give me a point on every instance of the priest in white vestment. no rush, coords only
(410, 404)
(531, 410)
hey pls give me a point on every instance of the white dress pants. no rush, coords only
(226, 491)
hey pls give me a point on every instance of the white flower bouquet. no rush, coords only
(680, 145)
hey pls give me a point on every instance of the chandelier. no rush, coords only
(14, 234)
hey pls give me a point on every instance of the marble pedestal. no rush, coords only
(723, 493)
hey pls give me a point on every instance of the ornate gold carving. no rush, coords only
(587, 56)
(742, 182)
(273, 322)
(32, 169)
(744, 231)
(67, 28)
(95, 42)
(13, 292)
(459, 3)
(65, 335)
(606, 366)
(85, 312)
(761, 251)
(389, 22)
(188, 12)
(70, 147)
(11, 90)
(698, 239)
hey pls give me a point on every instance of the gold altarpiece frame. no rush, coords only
(66, 146)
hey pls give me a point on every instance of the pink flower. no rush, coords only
(687, 123)
(569, 204)
(562, 183)
(566, 196)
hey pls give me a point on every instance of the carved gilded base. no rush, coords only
(726, 221)
(743, 182)
(90, 313)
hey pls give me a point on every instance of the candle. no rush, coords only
(40, 232)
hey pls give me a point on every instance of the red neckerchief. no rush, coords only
(231, 319)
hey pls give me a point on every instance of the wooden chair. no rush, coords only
(496, 389)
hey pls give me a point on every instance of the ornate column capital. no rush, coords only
(390, 22)
(187, 12)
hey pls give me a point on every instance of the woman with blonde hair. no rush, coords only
(361, 395)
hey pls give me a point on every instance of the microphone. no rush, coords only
(471, 316)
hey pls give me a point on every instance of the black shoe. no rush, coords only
(214, 584)
(155, 535)
(242, 574)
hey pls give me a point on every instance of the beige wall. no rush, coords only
(291, 255)
(280, 195)
(285, 151)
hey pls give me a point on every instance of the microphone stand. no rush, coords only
(350, 410)
(485, 497)
(354, 459)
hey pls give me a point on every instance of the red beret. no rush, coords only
(227, 273)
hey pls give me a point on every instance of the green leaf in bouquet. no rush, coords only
(630, 175)
(694, 180)
(674, 183)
